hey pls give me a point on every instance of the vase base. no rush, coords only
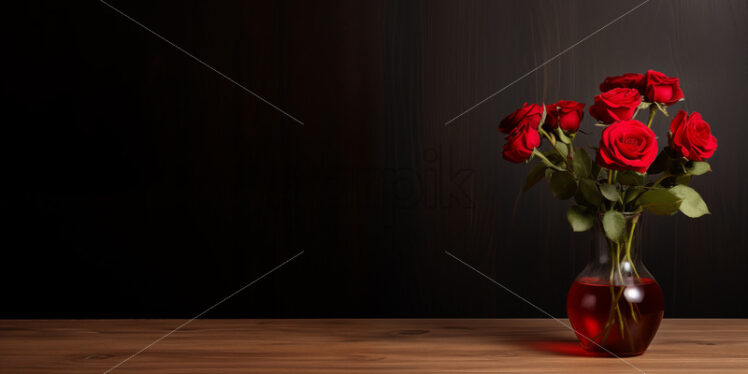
(619, 320)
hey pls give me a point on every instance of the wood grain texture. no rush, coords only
(356, 346)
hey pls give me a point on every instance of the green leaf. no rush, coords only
(662, 108)
(610, 191)
(562, 136)
(644, 105)
(661, 202)
(554, 152)
(579, 198)
(582, 163)
(698, 167)
(548, 160)
(563, 185)
(614, 224)
(683, 179)
(693, 205)
(580, 218)
(588, 194)
(536, 175)
(632, 193)
(545, 113)
(553, 156)
(631, 178)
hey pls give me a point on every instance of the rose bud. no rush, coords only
(520, 143)
(618, 104)
(527, 115)
(627, 145)
(568, 114)
(691, 137)
(663, 89)
(628, 80)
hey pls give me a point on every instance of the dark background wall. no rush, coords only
(138, 183)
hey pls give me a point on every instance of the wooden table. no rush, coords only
(356, 346)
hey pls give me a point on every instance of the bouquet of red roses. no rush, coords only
(629, 175)
(628, 152)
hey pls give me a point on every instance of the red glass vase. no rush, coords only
(615, 305)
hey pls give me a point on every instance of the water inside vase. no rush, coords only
(622, 319)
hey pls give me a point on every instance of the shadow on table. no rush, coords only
(564, 347)
(553, 341)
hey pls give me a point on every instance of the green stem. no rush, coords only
(620, 197)
(633, 313)
(612, 314)
(571, 149)
(631, 262)
(652, 112)
(616, 315)
(618, 261)
(612, 264)
(554, 143)
(547, 162)
(628, 246)
(621, 325)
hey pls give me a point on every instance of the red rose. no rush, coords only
(618, 104)
(520, 143)
(691, 137)
(628, 80)
(663, 89)
(527, 115)
(565, 113)
(627, 145)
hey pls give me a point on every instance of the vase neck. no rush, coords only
(629, 243)
(617, 261)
